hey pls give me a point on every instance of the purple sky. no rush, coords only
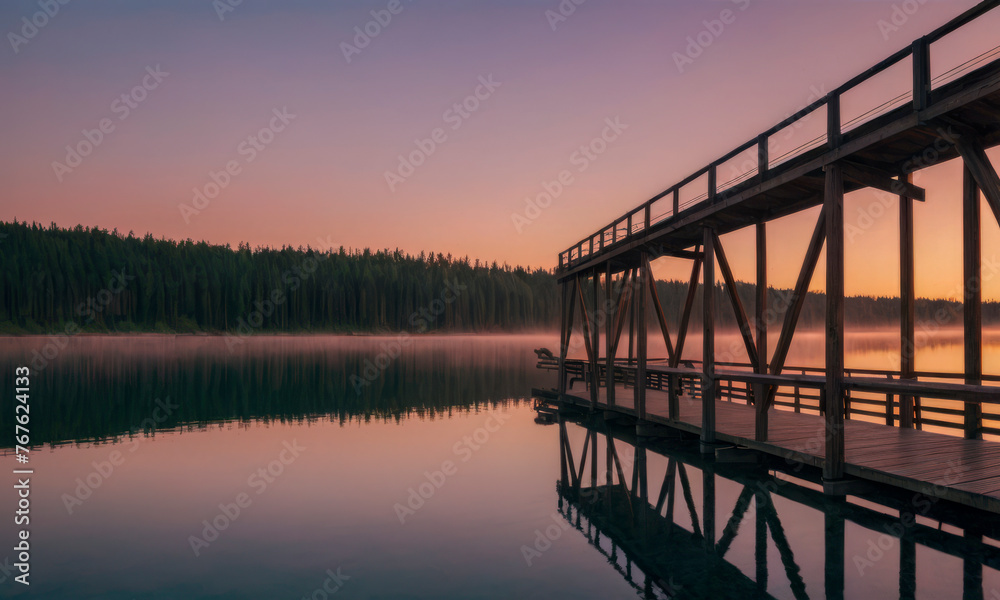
(322, 174)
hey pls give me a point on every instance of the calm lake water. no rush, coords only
(380, 467)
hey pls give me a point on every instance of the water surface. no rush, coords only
(392, 467)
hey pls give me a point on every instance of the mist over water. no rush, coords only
(183, 466)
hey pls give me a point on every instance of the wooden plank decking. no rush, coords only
(933, 464)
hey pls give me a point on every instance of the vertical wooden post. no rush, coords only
(595, 333)
(567, 330)
(712, 183)
(973, 298)
(609, 334)
(760, 390)
(921, 58)
(763, 157)
(833, 466)
(640, 309)
(631, 323)
(708, 345)
(907, 296)
(833, 120)
(677, 201)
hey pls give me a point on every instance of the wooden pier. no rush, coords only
(930, 426)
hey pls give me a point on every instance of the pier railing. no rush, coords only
(669, 204)
(939, 399)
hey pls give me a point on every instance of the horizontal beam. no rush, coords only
(881, 180)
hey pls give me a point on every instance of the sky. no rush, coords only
(428, 126)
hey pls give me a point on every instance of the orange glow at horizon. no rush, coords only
(322, 176)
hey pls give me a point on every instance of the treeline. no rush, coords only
(106, 281)
(89, 279)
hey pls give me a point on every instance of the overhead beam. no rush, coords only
(876, 178)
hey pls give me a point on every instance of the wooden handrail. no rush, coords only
(919, 50)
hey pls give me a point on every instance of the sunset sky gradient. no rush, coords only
(323, 175)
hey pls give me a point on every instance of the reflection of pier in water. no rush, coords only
(641, 529)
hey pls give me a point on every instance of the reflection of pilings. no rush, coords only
(834, 553)
(972, 569)
(760, 542)
(798, 586)
(643, 495)
(733, 526)
(907, 563)
(639, 533)
(563, 471)
(686, 488)
(708, 507)
(583, 460)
